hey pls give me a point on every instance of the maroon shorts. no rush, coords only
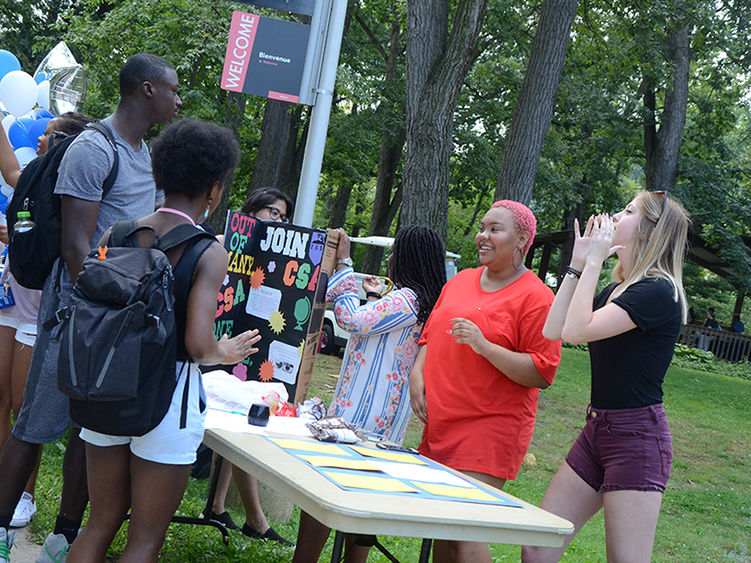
(624, 449)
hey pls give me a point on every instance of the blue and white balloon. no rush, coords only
(18, 134)
(5, 188)
(8, 62)
(25, 155)
(43, 114)
(43, 94)
(18, 92)
(8, 120)
(37, 129)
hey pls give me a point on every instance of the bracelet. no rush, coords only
(573, 273)
(373, 294)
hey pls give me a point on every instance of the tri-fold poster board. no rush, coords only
(276, 282)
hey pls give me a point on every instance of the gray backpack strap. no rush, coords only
(121, 233)
(104, 130)
(180, 234)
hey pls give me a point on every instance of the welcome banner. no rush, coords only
(265, 57)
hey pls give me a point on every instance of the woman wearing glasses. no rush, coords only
(267, 204)
(621, 460)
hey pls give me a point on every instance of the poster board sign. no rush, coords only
(276, 282)
(265, 57)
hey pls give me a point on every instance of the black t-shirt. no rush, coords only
(628, 369)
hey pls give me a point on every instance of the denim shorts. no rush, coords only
(624, 449)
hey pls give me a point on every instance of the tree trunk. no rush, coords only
(274, 164)
(360, 207)
(472, 225)
(234, 110)
(576, 211)
(436, 68)
(392, 146)
(534, 107)
(663, 148)
(339, 208)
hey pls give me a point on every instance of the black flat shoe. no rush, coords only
(224, 518)
(269, 534)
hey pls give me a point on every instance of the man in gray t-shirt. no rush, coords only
(148, 96)
(85, 167)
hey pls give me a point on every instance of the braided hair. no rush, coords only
(419, 264)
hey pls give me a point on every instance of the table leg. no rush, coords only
(425, 550)
(212, 486)
(367, 541)
(336, 552)
(205, 520)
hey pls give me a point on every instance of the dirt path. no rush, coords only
(24, 551)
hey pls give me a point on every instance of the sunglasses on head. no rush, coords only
(55, 137)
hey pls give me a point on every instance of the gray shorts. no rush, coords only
(45, 415)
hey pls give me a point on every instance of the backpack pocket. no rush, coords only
(97, 345)
(30, 262)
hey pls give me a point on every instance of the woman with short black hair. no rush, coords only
(148, 474)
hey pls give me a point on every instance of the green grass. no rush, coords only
(706, 511)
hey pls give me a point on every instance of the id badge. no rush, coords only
(6, 296)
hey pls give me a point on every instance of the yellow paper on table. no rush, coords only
(457, 492)
(309, 446)
(339, 462)
(358, 481)
(391, 456)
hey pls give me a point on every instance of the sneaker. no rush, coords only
(6, 542)
(269, 534)
(223, 518)
(54, 550)
(25, 509)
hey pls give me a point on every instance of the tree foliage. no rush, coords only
(615, 98)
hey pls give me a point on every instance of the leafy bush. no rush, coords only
(695, 358)
(582, 347)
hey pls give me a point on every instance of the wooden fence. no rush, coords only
(724, 344)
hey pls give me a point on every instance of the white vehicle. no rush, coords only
(334, 337)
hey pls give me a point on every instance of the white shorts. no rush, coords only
(167, 443)
(26, 333)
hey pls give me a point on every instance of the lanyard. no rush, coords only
(176, 212)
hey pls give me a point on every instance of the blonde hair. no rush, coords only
(661, 240)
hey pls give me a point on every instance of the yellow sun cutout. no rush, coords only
(276, 322)
(257, 277)
(266, 371)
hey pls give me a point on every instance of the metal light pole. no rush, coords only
(307, 190)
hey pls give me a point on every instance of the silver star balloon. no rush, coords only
(67, 79)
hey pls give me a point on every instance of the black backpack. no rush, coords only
(119, 335)
(32, 253)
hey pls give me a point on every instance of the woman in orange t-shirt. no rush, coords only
(483, 360)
